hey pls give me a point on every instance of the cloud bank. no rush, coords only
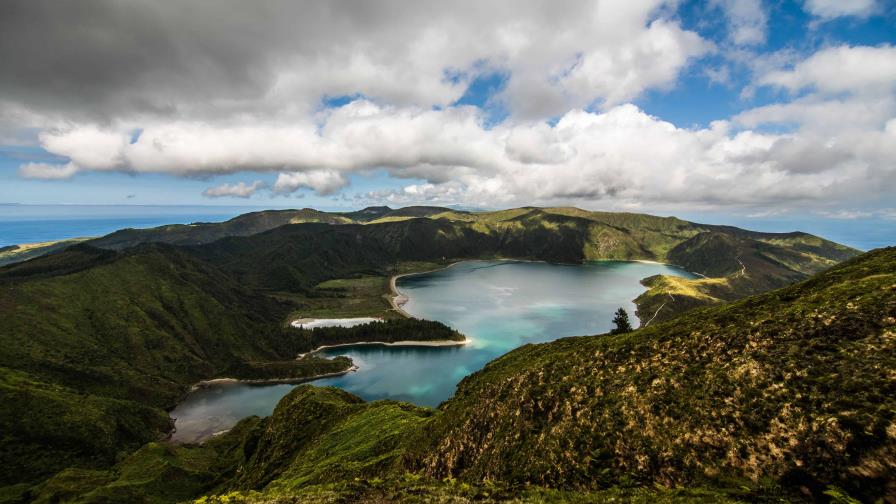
(221, 87)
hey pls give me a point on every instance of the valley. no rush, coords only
(132, 320)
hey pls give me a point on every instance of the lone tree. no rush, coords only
(622, 323)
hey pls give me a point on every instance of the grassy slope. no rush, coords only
(19, 253)
(205, 232)
(737, 265)
(110, 338)
(779, 394)
(293, 261)
(106, 340)
(134, 325)
(791, 388)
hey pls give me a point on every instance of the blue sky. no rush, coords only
(755, 109)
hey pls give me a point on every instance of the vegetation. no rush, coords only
(293, 263)
(781, 391)
(18, 253)
(95, 345)
(787, 391)
(734, 265)
(390, 331)
(785, 395)
(621, 323)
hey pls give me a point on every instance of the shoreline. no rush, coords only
(262, 381)
(398, 299)
(403, 343)
(299, 323)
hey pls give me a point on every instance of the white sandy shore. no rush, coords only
(398, 299)
(408, 343)
(312, 323)
(220, 381)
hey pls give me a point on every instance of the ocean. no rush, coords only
(40, 223)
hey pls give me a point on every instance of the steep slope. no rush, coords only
(735, 264)
(136, 324)
(791, 388)
(93, 343)
(294, 258)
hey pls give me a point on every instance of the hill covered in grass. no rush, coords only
(734, 265)
(784, 395)
(295, 258)
(18, 253)
(111, 333)
(95, 345)
(320, 246)
(788, 390)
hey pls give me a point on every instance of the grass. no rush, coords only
(783, 396)
(25, 251)
(365, 296)
(93, 344)
(790, 389)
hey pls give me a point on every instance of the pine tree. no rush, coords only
(622, 323)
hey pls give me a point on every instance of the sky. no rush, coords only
(764, 109)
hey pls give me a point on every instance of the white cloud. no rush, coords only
(239, 190)
(87, 145)
(829, 9)
(747, 20)
(838, 89)
(243, 94)
(323, 182)
(839, 69)
(48, 171)
(621, 157)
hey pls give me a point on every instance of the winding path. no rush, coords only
(743, 268)
(658, 310)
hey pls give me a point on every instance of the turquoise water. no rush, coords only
(498, 305)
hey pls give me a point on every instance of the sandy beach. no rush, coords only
(313, 323)
(434, 343)
(219, 381)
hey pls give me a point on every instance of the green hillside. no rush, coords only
(791, 389)
(293, 259)
(787, 395)
(18, 253)
(321, 246)
(107, 335)
(107, 340)
(734, 264)
(207, 232)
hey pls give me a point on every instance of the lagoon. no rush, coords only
(499, 305)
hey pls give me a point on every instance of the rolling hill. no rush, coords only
(108, 340)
